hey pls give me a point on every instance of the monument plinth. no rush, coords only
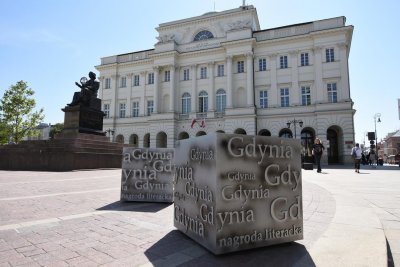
(82, 119)
(238, 192)
(82, 144)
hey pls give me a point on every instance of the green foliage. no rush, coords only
(17, 114)
(55, 129)
(4, 133)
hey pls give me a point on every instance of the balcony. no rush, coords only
(184, 116)
(201, 115)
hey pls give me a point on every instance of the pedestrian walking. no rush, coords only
(318, 149)
(356, 153)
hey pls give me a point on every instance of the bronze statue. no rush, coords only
(88, 91)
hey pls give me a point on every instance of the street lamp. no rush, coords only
(376, 116)
(110, 132)
(294, 121)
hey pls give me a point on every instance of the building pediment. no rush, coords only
(208, 30)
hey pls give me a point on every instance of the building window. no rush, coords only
(108, 83)
(135, 109)
(203, 102)
(167, 76)
(186, 100)
(203, 73)
(264, 99)
(123, 82)
(330, 55)
(283, 62)
(136, 80)
(284, 97)
(122, 110)
(186, 74)
(262, 64)
(203, 35)
(304, 59)
(240, 66)
(332, 92)
(150, 107)
(221, 100)
(221, 70)
(150, 77)
(106, 110)
(305, 95)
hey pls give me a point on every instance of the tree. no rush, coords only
(4, 133)
(55, 129)
(17, 113)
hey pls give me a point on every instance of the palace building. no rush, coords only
(220, 72)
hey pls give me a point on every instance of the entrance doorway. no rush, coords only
(333, 150)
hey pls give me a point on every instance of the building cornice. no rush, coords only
(209, 17)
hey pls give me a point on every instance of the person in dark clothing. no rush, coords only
(318, 149)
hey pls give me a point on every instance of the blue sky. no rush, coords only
(51, 44)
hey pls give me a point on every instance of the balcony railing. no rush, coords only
(184, 116)
(219, 114)
(201, 115)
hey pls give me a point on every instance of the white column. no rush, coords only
(344, 73)
(273, 94)
(101, 79)
(114, 108)
(319, 89)
(156, 74)
(250, 83)
(194, 88)
(129, 95)
(295, 90)
(211, 85)
(172, 90)
(229, 96)
(142, 84)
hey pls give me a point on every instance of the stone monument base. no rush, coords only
(68, 151)
(81, 119)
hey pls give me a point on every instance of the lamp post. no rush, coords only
(110, 132)
(376, 116)
(294, 121)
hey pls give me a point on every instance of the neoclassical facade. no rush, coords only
(221, 72)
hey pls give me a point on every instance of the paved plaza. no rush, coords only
(76, 219)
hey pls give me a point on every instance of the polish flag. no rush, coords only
(202, 123)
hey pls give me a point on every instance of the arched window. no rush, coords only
(203, 35)
(286, 133)
(221, 100)
(240, 131)
(203, 102)
(120, 139)
(134, 140)
(186, 108)
(264, 132)
(201, 133)
(146, 140)
(183, 135)
(161, 140)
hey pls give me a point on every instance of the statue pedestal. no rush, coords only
(68, 151)
(81, 119)
(81, 145)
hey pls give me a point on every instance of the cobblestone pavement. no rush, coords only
(76, 219)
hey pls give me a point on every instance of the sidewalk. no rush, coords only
(76, 219)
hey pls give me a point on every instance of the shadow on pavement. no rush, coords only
(288, 254)
(135, 206)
